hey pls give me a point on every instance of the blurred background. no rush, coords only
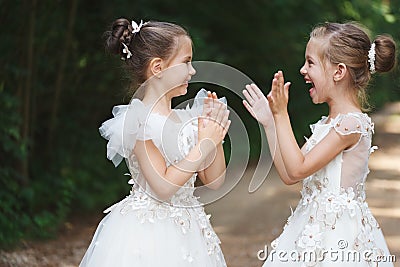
(57, 85)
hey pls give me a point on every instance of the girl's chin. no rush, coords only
(180, 90)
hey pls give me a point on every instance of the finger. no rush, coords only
(281, 82)
(274, 87)
(252, 92)
(270, 99)
(257, 90)
(225, 118)
(209, 98)
(218, 105)
(248, 97)
(214, 109)
(286, 89)
(221, 112)
(207, 104)
(211, 106)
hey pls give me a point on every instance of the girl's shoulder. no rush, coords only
(122, 130)
(347, 123)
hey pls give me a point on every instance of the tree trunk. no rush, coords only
(60, 73)
(28, 89)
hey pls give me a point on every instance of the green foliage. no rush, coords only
(12, 149)
(58, 167)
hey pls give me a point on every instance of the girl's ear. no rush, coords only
(156, 67)
(340, 72)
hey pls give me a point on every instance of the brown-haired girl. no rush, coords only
(161, 222)
(332, 224)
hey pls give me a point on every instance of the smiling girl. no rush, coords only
(161, 222)
(332, 224)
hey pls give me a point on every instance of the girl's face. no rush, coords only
(316, 73)
(179, 69)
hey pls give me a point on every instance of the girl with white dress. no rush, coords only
(332, 224)
(161, 222)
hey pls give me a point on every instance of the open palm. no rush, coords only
(257, 104)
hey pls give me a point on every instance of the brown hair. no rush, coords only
(155, 39)
(349, 43)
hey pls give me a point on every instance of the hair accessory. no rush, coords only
(371, 58)
(136, 27)
(126, 51)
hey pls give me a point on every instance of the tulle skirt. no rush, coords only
(153, 234)
(324, 235)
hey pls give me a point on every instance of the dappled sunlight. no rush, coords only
(386, 212)
(393, 240)
(384, 184)
(385, 162)
(393, 124)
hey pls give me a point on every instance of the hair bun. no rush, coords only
(385, 53)
(120, 32)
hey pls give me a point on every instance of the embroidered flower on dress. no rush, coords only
(187, 256)
(348, 202)
(184, 223)
(310, 237)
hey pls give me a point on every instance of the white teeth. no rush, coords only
(308, 82)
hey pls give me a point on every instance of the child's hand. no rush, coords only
(211, 106)
(257, 104)
(278, 97)
(213, 127)
(208, 105)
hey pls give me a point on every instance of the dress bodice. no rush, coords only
(349, 169)
(174, 136)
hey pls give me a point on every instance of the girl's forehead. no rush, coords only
(184, 43)
(313, 43)
(314, 46)
(183, 49)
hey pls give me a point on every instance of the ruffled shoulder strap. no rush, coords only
(351, 123)
(198, 103)
(121, 131)
(319, 122)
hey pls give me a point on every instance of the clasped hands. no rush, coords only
(213, 124)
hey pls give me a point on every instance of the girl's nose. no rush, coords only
(303, 70)
(192, 71)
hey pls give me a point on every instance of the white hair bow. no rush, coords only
(136, 27)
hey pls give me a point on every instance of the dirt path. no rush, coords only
(247, 222)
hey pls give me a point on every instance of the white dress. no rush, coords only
(140, 230)
(332, 224)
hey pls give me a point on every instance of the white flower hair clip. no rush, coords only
(136, 27)
(126, 51)
(371, 58)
